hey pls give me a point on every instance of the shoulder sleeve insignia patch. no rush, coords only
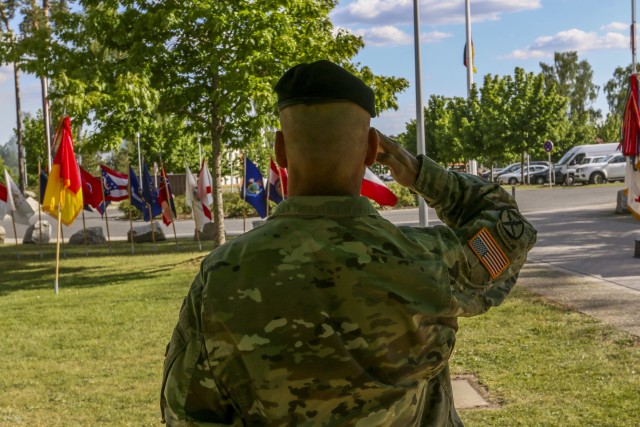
(488, 251)
(512, 223)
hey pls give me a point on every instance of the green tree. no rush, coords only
(215, 64)
(573, 79)
(9, 54)
(617, 89)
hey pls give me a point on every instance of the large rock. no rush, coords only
(38, 234)
(3, 234)
(142, 234)
(207, 233)
(93, 235)
(621, 205)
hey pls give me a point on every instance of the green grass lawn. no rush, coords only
(92, 355)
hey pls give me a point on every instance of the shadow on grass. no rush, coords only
(23, 268)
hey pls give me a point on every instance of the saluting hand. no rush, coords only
(404, 165)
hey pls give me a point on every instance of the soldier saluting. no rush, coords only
(329, 314)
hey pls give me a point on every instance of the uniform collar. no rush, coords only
(331, 206)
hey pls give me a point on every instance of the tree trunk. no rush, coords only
(522, 168)
(216, 164)
(22, 162)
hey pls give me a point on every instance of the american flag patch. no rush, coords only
(490, 254)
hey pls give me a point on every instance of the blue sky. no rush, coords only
(506, 34)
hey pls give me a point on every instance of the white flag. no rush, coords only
(21, 208)
(205, 183)
(193, 200)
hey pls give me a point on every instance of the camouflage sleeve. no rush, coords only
(485, 241)
(190, 395)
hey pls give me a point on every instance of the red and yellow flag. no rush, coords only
(64, 187)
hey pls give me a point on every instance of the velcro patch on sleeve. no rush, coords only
(491, 256)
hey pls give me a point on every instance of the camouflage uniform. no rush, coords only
(330, 315)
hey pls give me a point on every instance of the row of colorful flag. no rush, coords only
(68, 188)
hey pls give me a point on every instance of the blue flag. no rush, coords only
(150, 192)
(253, 189)
(137, 197)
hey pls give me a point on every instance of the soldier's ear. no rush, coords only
(373, 139)
(281, 155)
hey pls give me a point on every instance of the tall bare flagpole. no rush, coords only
(423, 215)
(473, 164)
(634, 74)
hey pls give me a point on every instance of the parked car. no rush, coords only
(565, 168)
(540, 177)
(514, 177)
(613, 168)
(515, 168)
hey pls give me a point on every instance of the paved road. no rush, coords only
(578, 230)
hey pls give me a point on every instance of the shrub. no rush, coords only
(125, 207)
(406, 198)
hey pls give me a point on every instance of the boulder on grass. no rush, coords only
(142, 234)
(3, 234)
(207, 233)
(94, 236)
(40, 232)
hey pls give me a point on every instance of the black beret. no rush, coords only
(323, 81)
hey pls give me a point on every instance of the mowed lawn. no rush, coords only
(92, 355)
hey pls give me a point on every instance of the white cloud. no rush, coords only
(389, 35)
(434, 36)
(571, 40)
(432, 12)
(384, 36)
(615, 26)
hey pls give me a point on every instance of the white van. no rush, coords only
(565, 168)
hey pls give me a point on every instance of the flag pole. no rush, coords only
(153, 230)
(268, 184)
(244, 193)
(195, 218)
(15, 233)
(423, 213)
(166, 188)
(84, 233)
(58, 242)
(193, 211)
(64, 249)
(106, 215)
(133, 251)
(40, 208)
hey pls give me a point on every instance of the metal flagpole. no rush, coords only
(106, 215)
(15, 233)
(423, 215)
(84, 233)
(268, 185)
(64, 249)
(166, 187)
(473, 164)
(244, 193)
(139, 156)
(40, 208)
(153, 229)
(133, 251)
(195, 218)
(469, 49)
(634, 74)
(58, 243)
(45, 115)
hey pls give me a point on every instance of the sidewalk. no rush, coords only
(613, 304)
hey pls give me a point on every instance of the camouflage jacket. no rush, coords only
(329, 315)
